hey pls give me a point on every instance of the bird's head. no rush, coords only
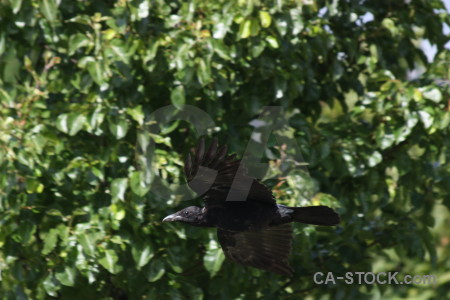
(192, 215)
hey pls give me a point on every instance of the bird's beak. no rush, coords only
(172, 218)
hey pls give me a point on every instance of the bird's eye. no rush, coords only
(186, 213)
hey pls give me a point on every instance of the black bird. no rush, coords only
(254, 232)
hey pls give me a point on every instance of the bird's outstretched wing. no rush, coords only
(267, 249)
(211, 173)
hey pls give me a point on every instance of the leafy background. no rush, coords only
(79, 215)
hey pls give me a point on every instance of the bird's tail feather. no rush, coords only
(315, 215)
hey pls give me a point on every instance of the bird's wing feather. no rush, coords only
(211, 173)
(267, 249)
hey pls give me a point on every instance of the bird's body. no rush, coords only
(241, 215)
(252, 228)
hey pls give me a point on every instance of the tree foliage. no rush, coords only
(79, 79)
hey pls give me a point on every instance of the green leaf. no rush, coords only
(77, 41)
(88, 242)
(204, 72)
(374, 159)
(177, 96)
(374, 52)
(417, 95)
(96, 70)
(390, 25)
(39, 141)
(433, 94)
(117, 212)
(70, 123)
(51, 285)
(338, 70)
(33, 186)
(96, 118)
(81, 19)
(63, 232)
(254, 29)
(26, 232)
(98, 173)
(142, 255)
(138, 185)
(11, 67)
(67, 276)
(273, 42)
(50, 239)
(75, 122)
(61, 123)
(49, 9)
(430, 245)
(415, 152)
(156, 271)
(258, 49)
(118, 126)
(221, 49)
(426, 118)
(160, 139)
(118, 189)
(282, 25)
(4, 96)
(265, 18)
(384, 138)
(330, 113)
(445, 120)
(324, 199)
(15, 5)
(2, 50)
(297, 21)
(220, 30)
(143, 10)
(119, 51)
(245, 29)
(213, 258)
(137, 114)
(109, 261)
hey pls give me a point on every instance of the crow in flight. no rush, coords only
(255, 232)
